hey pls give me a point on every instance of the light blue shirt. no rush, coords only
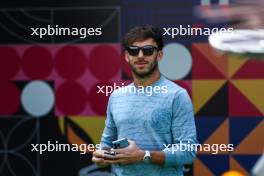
(152, 120)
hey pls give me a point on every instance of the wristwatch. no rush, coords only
(147, 157)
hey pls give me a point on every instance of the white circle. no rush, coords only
(177, 61)
(37, 98)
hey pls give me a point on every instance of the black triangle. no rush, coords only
(217, 105)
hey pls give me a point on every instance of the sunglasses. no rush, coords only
(147, 50)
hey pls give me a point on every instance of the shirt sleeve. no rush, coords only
(183, 131)
(110, 131)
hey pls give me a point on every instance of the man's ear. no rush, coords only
(160, 55)
(126, 56)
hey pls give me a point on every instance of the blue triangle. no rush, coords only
(240, 127)
(206, 126)
(247, 161)
(218, 164)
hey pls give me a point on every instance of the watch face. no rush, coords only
(147, 157)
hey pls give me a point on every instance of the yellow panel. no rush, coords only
(253, 90)
(92, 125)
(61, 124)
(203, 90)
(234, 64)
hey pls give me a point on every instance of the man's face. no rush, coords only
(144, 65)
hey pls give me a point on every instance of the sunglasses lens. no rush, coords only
(148, 50)
(133, 51)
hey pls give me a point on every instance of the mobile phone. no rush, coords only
(120, 143)
(112, 153)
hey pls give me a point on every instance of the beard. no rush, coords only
(151, 68)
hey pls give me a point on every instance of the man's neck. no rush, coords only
(148, 80)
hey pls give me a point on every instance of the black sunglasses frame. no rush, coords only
(147, 50)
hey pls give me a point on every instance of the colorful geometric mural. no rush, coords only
(228, 102)
(48, 90)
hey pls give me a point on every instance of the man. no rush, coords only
(151, 123)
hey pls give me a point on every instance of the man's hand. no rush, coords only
(99, 158)
(128, 155)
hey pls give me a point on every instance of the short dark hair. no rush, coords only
(141, 33)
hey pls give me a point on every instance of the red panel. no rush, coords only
(71, 98)
(251, 69)
(98, 99)
(239, 105)
(104, 62)
(70, 62)
(9, 63)
(202, 68)
(37, 62)
(9, 98)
